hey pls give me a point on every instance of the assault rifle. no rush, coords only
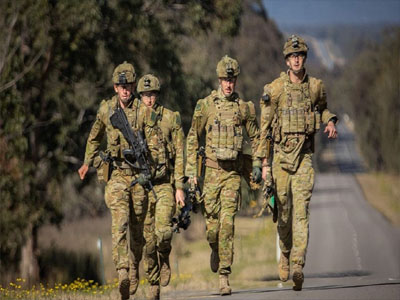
(268, 188)
(136, 156)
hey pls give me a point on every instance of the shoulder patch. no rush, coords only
(151, 116)
(178, 120)
(198, 106)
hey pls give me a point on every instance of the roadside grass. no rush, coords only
(74, 247)
(383, 192)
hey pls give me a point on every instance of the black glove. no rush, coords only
(257, 174)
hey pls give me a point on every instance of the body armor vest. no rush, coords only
(296, 112)
(226, 130)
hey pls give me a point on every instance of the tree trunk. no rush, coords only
(29, 266)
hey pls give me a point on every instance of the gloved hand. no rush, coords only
(257, 174)
(143, 180)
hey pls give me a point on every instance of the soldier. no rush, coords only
(292, 108)
(127, 204)
(168, 181)
(222, 116)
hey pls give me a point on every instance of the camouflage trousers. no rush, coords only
(221, 196)
(293, 193)
(128, 207)
(158, 229)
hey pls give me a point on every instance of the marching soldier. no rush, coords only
(127, 204)
(222, 117)
(168, 184)
(292, 108)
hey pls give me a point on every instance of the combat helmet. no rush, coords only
(124, 74)
(294, 44)
(228, 67)
(148, 83)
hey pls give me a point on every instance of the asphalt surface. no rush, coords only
(354, 252)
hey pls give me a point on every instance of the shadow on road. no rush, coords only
(350, 273)
(342, 286)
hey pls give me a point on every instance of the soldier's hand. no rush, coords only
(143, 180)
(180, 197)
(194, 179)
(331, 130)
(256, 174)
(264, 173)
(82, 171)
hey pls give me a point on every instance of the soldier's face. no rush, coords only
(124, 91)
(295, 62)
(149, 98)
(227, 85)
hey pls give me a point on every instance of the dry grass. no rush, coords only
(383, 192)
(254, 261)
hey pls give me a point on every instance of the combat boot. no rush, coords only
(154, 292)
(123, 279)
(133, 278)
(214, 259)
(284, 266)
(165, 270)
(298, 277)
(224, 288)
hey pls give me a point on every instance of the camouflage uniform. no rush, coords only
(292, 113)
(158, 225)
(222, 119)
(127, 205)
(158, 222)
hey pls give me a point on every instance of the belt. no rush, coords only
(222, 164)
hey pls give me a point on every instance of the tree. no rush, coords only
(56, 61)
(372, 100)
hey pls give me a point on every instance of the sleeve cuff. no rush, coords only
(179, 185)
(257, 163)
(333, 119)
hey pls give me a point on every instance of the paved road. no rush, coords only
(354, 253)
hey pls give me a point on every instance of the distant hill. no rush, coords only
(334, 45)
(258, 48)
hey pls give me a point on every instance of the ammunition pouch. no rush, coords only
(103, 169)
(290, 149)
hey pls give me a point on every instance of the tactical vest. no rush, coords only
(296, 112)
(226, 130)
(164, 123)
(116, 141)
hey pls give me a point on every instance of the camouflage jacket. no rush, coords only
(173, 137)
(139, 116)
(311, 102)
(205, 117)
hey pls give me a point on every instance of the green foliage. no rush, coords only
(372, 100)
(56, 61)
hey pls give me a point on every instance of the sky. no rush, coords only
(322, 12)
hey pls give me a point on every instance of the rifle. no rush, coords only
(268, 188)
(136, 156)
(183, 221)
(201, 162)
